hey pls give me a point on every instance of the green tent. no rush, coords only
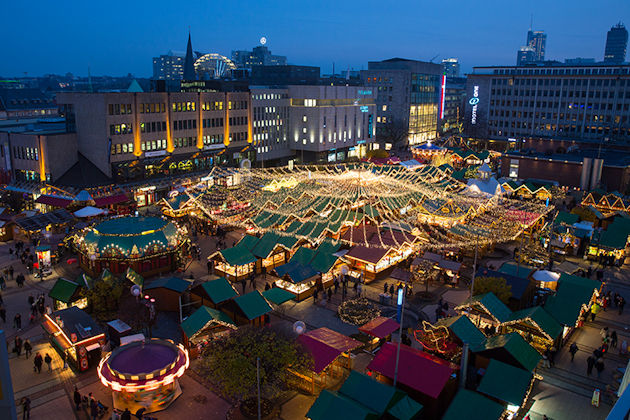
(470, 405)
(539, 318)
(464, 329)
(332, 406)
(63, 290)
(253, 305)
(510, 347)
(278, 295)
(203, 318)
(512, 391)
(490, 304)
(218, 290)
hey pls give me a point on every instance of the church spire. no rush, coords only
(189, 62)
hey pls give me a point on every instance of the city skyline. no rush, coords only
(348, 34)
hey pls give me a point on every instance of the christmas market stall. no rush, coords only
(331, 356)
(611, 243)
(74, 333)
(513, 392)
(509, 348)
(235, 263)
(167, 292)
(213, 293)
(273, 250)
(148, 245)
(368, 264)
(66, 293)
(434, 388)
(249, 309)
(380, 330)
(460, 330)
(144, 374)
(485, 310)
(467, 401)
(203, 326)
(301, 280)
(537, 326)
(362, 398)
(180, 205)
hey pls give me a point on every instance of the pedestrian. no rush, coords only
(3, 284)
(126, 415)
(603, 332)
(573, 349)
(18, 345)
(3, 314)
(26, 408)
(546, 363)
(209, 264)
(267, 287)
(385, 288)
(252, 281)
(613, 339)
(38, 363)
(315, 295)
(77, 398)
(28, 349)
(11, 271)
(622, 303)
(93, 409)
(391, 289)
(243, 285)
(336, 284)
(329, 294)
(590, 362)
(552, 356)
(594, 310)
(599, 365)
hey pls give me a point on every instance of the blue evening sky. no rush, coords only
(116, 37)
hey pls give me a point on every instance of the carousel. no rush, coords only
(147, 245)
(143, 374)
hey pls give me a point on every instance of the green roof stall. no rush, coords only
(486, 309)
(66, 293)
(167, 292)
(512, 391)
(202, 326)
(251, 308)
(214, 293)
(510, 348)
(474, 405)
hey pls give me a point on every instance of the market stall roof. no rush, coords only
(513, 269)
(278, 295)
(566, 218)
(511, 348)
(54, 201)
(253, 305)
(518, 285)
(203, 318)
(489, 303)
(512, 391)
(248, 241)
(218, 290)
(567, 267)
(572, 293)
(325, 345)
(330, 405)
(365, 254)
(380, 327)
(40, 221)
(539, 318)
(76, 321)
(301, 273)
(175, 284)
(110, 200)
(269, 241)
(400, 274)
(475, 405)
(464, 329)
(545, 276)
(323, 262)
(435, 373)
(63, 290)
(405, 409)
(328, 246)
(237, 255)
(303, 255)
(89, 211)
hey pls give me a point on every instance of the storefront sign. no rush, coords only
(474, 101)
(214, 147)
(155, 154)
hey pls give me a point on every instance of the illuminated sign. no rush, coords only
(364, 92)
(370, 126)
(364, 108)
(474, 101)
(443, 95)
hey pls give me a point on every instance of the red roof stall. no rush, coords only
(426, 378)
(380, 328)
(330, 351)
(368, 262)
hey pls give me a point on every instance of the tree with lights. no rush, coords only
(496, 285)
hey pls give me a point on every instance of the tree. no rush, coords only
(585, 214)
(496, 285)
(230, 362)
(396, 132)
(441, 159)
(103, 297)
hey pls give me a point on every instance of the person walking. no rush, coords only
(11, 271)
(545, 356)
(18, 346)
(48, 361)
(590, 362)
(252, 281)
(244, 285)
(613, 339)
(329, 294)
(599, 365)
(573, 349)
(93, 409)
(385, 288)
(3, 314)
(38, 363)
(77, 398)
(17, 322)
(26, 408)
(622, 303)
(28, 349)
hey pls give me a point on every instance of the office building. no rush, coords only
(551, 101)
(525, 55)
(538, 41)
(284, 75)
(135, 135)
(26, 103)
(270, 112)
(452, 117)
(407, 96)
(616, 44)
(451, 67)
(578, 61)
(169, 66)
(331, 123)
(36, 149)
(259, 56)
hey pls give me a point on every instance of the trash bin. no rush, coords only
(385, 299)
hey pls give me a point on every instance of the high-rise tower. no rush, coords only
(616, 44)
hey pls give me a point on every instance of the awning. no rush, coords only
(54, 201)
(380, 327)
(110, 199)
(326, 345)
(89, 211)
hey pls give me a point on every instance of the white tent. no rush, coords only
(546, 276)
(89, 211)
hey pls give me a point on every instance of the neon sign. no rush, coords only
(474, 101)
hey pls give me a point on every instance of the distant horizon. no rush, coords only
(486, 33)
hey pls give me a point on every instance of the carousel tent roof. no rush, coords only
(436, 373)
(204, 317)
(253, 305)
(89, 211)
(278, 295)
(511, 348)
(175, 284)
(540, 317)
(63, 290)
(380, 327)
(464, 329)
(492, 305)
(325, 345)
(475, 405)
(512, 391)
(218, 290)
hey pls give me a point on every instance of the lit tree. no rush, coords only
(495, 285)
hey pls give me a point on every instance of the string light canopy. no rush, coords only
(424, 209)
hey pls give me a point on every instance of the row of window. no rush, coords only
(152, 108)
(25, 153)
(212, 106)
(561, 82)
(574, 71)
(184, 106)
(557, 93)
(270, 96)
(119, 109)
(212, 122)
(125, 128)
(184, 125)
(153, 126)
(617, 119)
(212, 139)
(184, 142)
(550, 104)
(238, 121)
(122, 148)
(379, 80)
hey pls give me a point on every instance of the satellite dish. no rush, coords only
(135, 290)
(299, 327)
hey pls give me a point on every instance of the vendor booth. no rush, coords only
(143, 374)
(66, 293)
(167, 292)
(467, 401)
(380, 330)
(298, 279)
(537, 326)
(512, 393)
(370, 263)
(203, 326)
(74, 333)
(213, 293)
(249, 309)
(485, 310)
